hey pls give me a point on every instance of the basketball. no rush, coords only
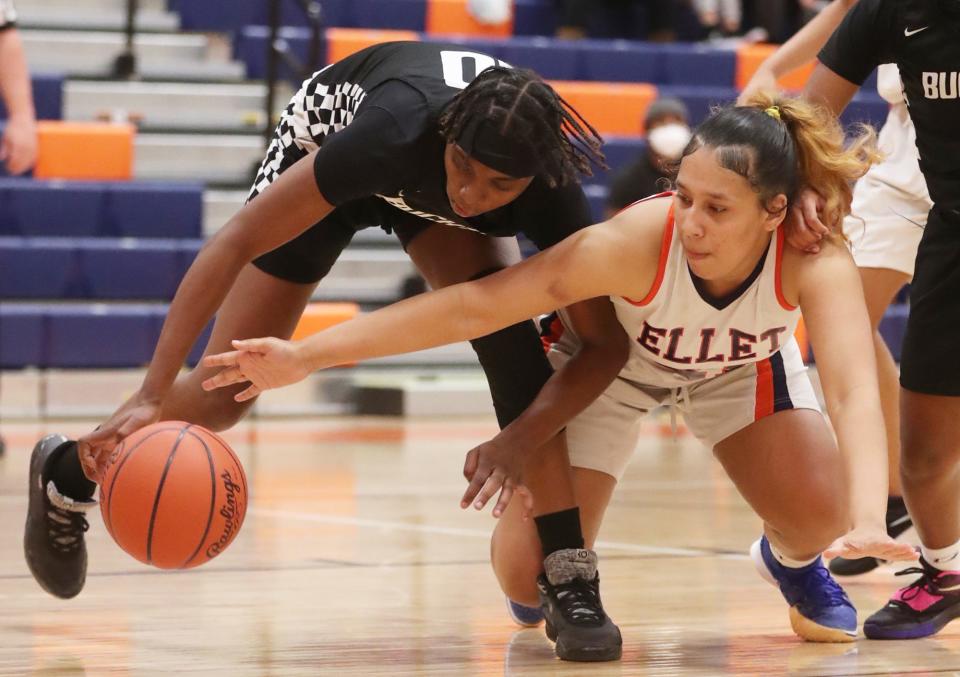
(174, 495)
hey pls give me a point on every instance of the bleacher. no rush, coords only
(87, 267)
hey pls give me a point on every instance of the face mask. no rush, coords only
(669, 140)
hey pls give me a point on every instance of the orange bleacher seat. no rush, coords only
(342, 42)
(84, 150)
(749, 58)
(319, 316)
(450, 17)
(802, 341)
(611, 107)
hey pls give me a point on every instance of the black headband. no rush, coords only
(481, 140)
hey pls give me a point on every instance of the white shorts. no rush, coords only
(604, 436)
(890, 203)
(884, 229)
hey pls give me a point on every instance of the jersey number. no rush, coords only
(460, 68)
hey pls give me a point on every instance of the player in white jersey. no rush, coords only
(707, 297)
(888, 214)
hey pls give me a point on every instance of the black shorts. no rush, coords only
(308, 258)
(930, 361)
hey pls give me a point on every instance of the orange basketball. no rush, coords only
(174, 495)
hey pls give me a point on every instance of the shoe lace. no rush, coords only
(820, 585)
(926, 582)
(65, 529)
(579, 602)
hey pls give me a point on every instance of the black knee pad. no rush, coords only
(515, 364)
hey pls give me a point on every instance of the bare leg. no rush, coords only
(929, 467)
(515, 546)
(258, 304)
(880, 285)
(789, 470)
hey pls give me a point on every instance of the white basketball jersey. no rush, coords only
(679, 334)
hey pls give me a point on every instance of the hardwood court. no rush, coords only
(355, 559)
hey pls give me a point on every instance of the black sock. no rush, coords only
(559, 530)
(895, 507)
(67, 473)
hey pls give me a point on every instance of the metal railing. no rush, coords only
(125, 65)
(278, 50)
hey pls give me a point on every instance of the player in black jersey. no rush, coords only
(921, 37)
(445, 148)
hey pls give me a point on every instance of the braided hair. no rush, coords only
(529, 113)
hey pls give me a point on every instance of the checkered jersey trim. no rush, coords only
(315, 111)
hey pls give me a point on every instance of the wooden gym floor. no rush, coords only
(355, 559)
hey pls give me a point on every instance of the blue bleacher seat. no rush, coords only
(552, 59)
(597, 197)
(8, 218)
(90, 209)
(47, 96)
(140, 209)
(91, 335)
(534, 17)
(409, 15)
(131, 269)
(700, 99)
(892, 327)
(101, 335)
(213, 15)
(866, 106)
(333, 13)
(250, 47)
(619, 61)
(42, 208)
(621, 151)
(21, 336)
(39, 268)
(695, 64)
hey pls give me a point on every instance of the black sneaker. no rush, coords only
(53, 541)
(570, 599)
(898, 521)
(919, 610)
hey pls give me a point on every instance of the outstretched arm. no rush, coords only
(835, 313)
(566, 273)
(602, 260)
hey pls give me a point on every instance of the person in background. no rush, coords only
(668, 131)
(720, 16)
(18, 145)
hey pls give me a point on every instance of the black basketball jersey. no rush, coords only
(924, 41)
(373, 119)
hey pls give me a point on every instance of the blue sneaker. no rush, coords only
(525, 616)
(820, 610)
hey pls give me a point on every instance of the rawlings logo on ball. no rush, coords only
(229, 512)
